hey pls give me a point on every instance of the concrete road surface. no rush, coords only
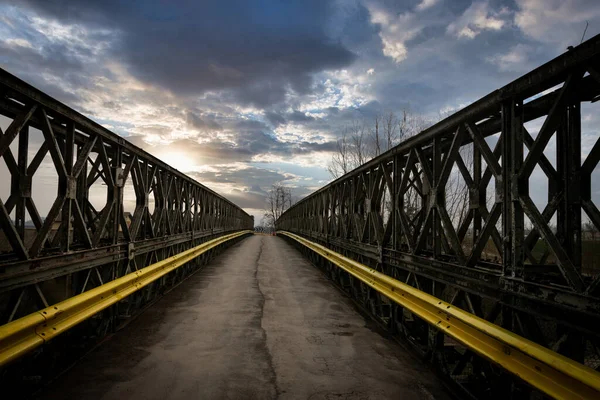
(259, 322)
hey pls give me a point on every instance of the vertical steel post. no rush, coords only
(21, 183)
(437, 195)
(513, 188)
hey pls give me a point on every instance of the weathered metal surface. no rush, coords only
(497, 253)
(89, 237)
(172, 211)
(21, 336)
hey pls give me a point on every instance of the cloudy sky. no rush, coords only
(242, 94)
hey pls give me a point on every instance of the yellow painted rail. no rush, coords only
(23, 335)
(550, 372)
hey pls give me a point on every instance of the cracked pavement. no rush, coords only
(258, 322)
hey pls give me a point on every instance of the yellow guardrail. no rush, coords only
(23, 335)
(550, 372)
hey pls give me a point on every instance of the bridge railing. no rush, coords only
(80, 206)
(554, 375)
(20, 337)
(508, 245)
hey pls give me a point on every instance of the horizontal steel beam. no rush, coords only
(577, 311)
(23, 273)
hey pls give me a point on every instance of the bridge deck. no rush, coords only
(257, 322)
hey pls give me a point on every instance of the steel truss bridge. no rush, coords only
(502, 297)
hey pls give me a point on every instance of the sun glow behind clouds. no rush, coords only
(178, 160)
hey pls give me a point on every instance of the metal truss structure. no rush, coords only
(502, 256)
(80, 244)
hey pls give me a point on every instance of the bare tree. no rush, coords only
(358, 143)
(591, 229)
(360, 152)
(352, 150)
(279, 199)
(391, 130)
(416, 123)
(457, 197)
(376, 137)
(388, 131)
(341, 162)
(410, 124)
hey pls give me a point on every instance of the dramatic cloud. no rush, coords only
(193, 47)
(557, 21)
(476, 19)
(204, 123)
(425, 4)
(241, 145)
(396, 30)
(241, 95)
(517, 59)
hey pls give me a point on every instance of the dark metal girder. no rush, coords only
(23, 273)
(63, 129)
(551, 299)
(23, 91)
(549, 302)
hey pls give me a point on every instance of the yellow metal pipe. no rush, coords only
(25, 334)
(548, 371)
